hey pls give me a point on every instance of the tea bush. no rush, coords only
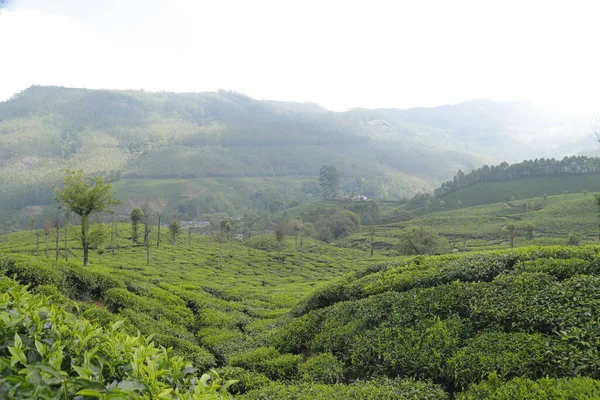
(540, 389)
(48, 353)
(382, 389)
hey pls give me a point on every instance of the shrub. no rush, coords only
(322, 368)
(269, 361)
(49, 353)
(245, 380)
(526, 389)
(382, 389)
(419, 352)
(507, 354)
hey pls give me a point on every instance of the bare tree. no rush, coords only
(279, 236)
(146, 221)
(159, 217)
(47, 230)
(297, 226)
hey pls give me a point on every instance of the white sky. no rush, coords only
(340, 54)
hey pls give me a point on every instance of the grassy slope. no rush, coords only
(480, 226)
(495, 192)
(251, 290)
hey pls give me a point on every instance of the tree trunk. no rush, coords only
(56, 244)
(512, 241)
(66, 243)
(372, 233)
(301, 252)
(46, 252)
(37, 235)
(158, 232)
(84, 240)
(112, 238)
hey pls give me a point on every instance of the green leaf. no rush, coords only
(131, 385)
(117, 325)
(90, 393)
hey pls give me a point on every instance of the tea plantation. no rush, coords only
(328, 323)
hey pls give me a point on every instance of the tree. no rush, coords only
(297, 226)
(146, 220)
(415, 240)
(511, 230)
(279, 236)
(529, 231)
(222, 236)
(85, 196)
(47, 230)
(174, 229)
(37, 234)
(574, 239)
(136, 217)
(159, 217)
(329, 180)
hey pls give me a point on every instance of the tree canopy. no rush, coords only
(85, 195)
(329, 180)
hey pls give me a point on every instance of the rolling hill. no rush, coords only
(265, 149)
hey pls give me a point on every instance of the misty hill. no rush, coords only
(139, 135)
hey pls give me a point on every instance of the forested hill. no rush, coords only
(139, 135)
(576, 165)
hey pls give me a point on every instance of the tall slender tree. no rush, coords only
(136, 217)
(85, 196)
(47, 232)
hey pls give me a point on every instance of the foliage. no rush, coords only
(51, 354)
(136, 217)
(322, 368)
(422, 240)
(457, 318)
(527, 389)
(575, 165)
(329, 180)
(382, 389)
(85, 196)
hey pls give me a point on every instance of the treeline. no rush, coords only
(540, 167)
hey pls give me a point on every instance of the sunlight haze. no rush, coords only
(381, 54)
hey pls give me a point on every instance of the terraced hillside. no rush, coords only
(467, 322)
(477, 325)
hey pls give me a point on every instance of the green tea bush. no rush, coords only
(269, 361)
(51, 354)
(30, 271)
(560, 268)
(322, 368)
(382, 389)
(507, 354)
(419, 352)
(526, 389)
(200, 357)
(245, 380)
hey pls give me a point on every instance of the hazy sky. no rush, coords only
(340, 54)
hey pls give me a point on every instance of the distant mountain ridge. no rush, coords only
(139, 135)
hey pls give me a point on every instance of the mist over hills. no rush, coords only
(386, 153)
